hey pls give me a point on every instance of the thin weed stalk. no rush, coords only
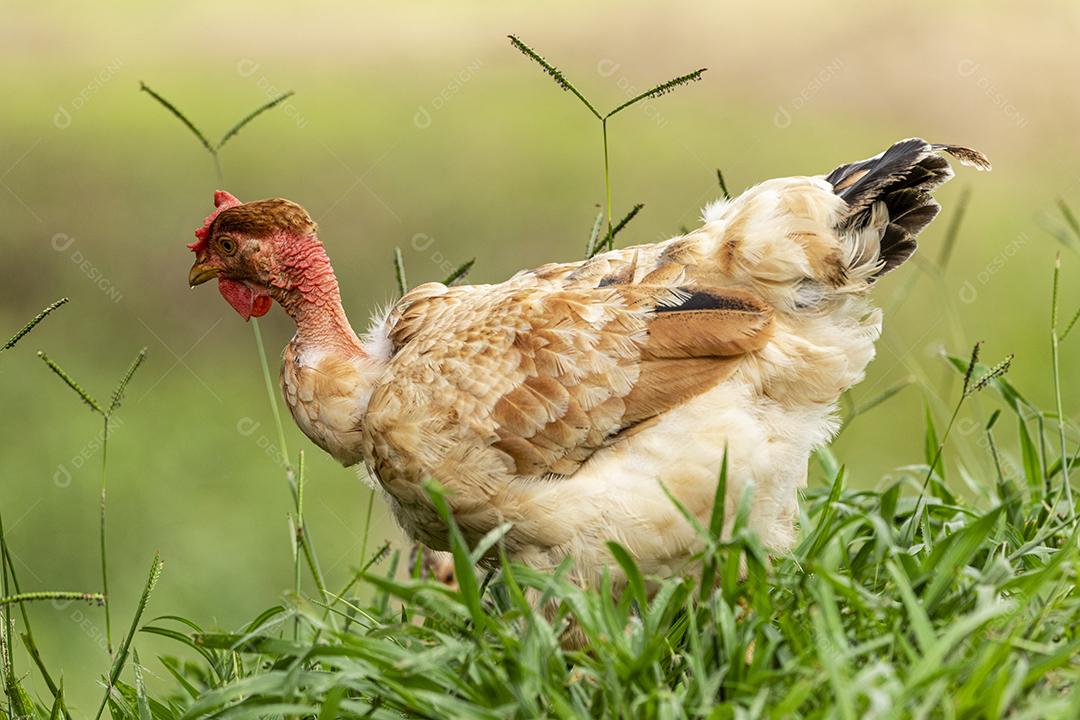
(28, 635)
(19, 598)
(970, 387)
(1066, 485)
(298, 539)
(723, 185)
(103, 550)
(290, 476)
(32, 324)
(106, 415)
(125, 645)
(272, 398)
(214, 149)
(7, 657)
(654, 92)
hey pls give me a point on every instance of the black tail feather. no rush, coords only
(902, 178)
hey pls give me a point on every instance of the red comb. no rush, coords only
(222, 201)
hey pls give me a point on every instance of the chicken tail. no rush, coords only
(889, 203)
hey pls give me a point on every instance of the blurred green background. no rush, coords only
(418, 126)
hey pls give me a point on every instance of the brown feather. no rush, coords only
(743, 327)
(665, 384)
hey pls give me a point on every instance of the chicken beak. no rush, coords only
(201, 273)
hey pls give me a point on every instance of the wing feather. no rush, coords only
(546, 375)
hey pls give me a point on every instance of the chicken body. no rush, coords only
(566, 399)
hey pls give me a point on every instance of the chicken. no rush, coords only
(567, 398)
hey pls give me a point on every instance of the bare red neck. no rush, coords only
(303, 283)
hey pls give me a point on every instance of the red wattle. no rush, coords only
(261, 305)
(247, 301)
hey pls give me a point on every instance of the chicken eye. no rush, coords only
(227, 245)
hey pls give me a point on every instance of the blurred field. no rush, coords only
(420, 127)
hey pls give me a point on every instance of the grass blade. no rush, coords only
(58, 711)
(32, 324)
(551, 70)
(594, 234)
(991, 375)
(634, 581)
(812, 544)
(931, 445)
(399, 272)
(1009, 393)
(179, 116)
(118, 393)
(86, 398)
(142, 702)
(28, 636)
(949, 556)
(122, 651)
(458, 274)
(623, 223)
(716, 527)
(464, 570)
(251, 116)
(661, 89)
(1069, 327)
(1070, 218)
(953, 231)
(723, 185)
(878, 399)
(52, 595)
